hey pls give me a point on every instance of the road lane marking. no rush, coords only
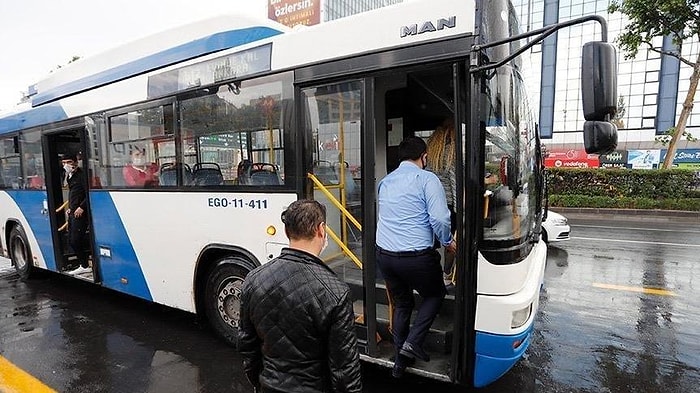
(15, 380)
(636, 241)
(647, 290)
(636, 229)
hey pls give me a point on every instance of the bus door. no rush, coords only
(420, 101)
(334, 121)
(352, 130)
(56, 145)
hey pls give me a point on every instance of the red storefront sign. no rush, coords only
(295, 12)
(571, 159)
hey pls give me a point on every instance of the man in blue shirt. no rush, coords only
(412, 214)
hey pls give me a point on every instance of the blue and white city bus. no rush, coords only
(241, 117)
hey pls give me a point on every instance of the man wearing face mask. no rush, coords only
(297, 323)
(412, 213)
(140, 173)
(78, 219)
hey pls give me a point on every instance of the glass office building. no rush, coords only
(336, 9)
(651, 87)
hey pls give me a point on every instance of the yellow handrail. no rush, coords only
(342, 245)
(64, 226)
(332, 198)
(63, 206)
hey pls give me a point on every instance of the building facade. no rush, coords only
(651, 87)
(336, 9)
(310, 12)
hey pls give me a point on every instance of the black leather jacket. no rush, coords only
(297, 329)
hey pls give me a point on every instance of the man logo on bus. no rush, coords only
(429, 26)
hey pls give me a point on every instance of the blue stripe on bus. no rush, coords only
(31, 203)
(32, 117)
(120, 269)
(495, 354)
(190, 50)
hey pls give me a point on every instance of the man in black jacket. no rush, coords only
(78, 218)
(297, 323)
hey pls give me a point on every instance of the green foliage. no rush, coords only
(679, 19)
(667, 136)
(683, 204)
(675, 189)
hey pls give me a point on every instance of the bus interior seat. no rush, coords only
(259, 173)
(207, 174)
(168, 174)
(264, 176)
(325, 172)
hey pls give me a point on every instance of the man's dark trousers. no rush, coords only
(77, 237)
(403, 272)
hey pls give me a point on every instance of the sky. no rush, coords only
(37, 36)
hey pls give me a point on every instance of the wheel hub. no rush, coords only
(228, 301)
(19, 254)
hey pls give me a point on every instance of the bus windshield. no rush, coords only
(510, 165)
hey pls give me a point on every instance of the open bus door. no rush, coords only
(352, 130)
(334, 123)
(68, 140)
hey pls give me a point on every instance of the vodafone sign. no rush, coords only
(571, 159)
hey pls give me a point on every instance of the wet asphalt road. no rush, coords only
(597, 330)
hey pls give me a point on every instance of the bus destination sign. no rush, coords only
(236, 65)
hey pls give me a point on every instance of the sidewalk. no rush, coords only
(629, 214)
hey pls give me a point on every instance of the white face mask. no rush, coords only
(325, 243)
(139, 161)
(68, 168)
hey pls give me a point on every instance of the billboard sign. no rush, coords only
(294, 12)
(683, 156)
(644, 159)
(616, 159)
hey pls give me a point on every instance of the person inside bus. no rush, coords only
(139, 172)
(441, 161)
(412, 212)
(297, 328)
(78, 218)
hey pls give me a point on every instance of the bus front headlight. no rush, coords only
(520, 317)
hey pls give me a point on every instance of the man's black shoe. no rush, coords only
(414, 351)
(397, 371)
(400, 364)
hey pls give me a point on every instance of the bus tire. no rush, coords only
(20, 253)
(222, 300)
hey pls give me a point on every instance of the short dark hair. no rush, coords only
(411, 148)
(302, 218)
(69, 157)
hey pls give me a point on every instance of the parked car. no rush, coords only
(555, 228)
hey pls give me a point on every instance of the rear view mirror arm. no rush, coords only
(541, 34)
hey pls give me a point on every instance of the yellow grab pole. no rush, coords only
(334, 200)
(342, 245)
(63, 206)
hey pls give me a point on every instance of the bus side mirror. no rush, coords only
(599, 81)
(599, 95)
(599, 137)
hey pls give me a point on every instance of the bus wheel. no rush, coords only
(20, 254)
(222, 304)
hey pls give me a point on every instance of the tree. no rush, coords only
(679, 19)
(617, 119)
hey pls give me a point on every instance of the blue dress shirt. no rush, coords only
(412, 210)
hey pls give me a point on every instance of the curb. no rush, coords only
(639, 213)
